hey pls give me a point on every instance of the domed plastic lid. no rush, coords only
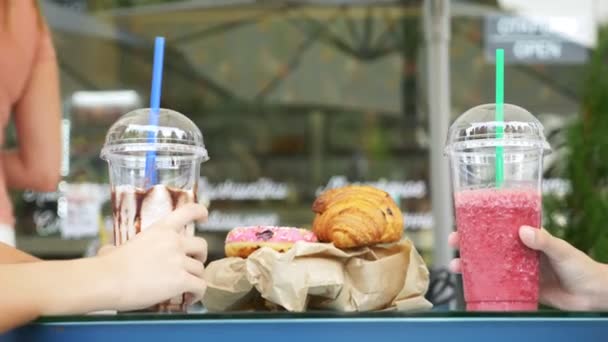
(133, 135)
(478, 128)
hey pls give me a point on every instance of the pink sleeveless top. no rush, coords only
(23, 43)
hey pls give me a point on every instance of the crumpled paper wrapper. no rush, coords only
(319, 276)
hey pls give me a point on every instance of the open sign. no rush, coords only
(536, 40)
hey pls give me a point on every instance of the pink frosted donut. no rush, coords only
(242, 241)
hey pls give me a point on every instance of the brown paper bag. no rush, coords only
(320, 276)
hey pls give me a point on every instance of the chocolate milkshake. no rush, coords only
(137, 209)
(137, 204)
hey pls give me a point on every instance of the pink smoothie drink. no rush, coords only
(499, 272)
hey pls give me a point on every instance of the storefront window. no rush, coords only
(291, 97)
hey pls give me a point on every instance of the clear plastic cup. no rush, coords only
(179, 150)
(499, 272)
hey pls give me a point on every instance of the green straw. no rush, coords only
(500, 115)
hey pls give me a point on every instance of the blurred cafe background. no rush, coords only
(297, 96)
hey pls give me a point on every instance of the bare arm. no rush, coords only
(569, 279)
(10, 255)
(35, 164)
(130, 277)
(53, 288)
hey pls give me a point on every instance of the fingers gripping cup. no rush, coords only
(140, 199)
(497, 174)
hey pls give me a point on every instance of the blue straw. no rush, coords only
(157, 80)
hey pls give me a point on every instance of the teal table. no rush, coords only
(313, 327)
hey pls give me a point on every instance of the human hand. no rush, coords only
(159, 263)
(569, 279)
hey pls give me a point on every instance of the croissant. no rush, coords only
(357, 216)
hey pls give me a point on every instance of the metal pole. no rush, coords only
(437, 34)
